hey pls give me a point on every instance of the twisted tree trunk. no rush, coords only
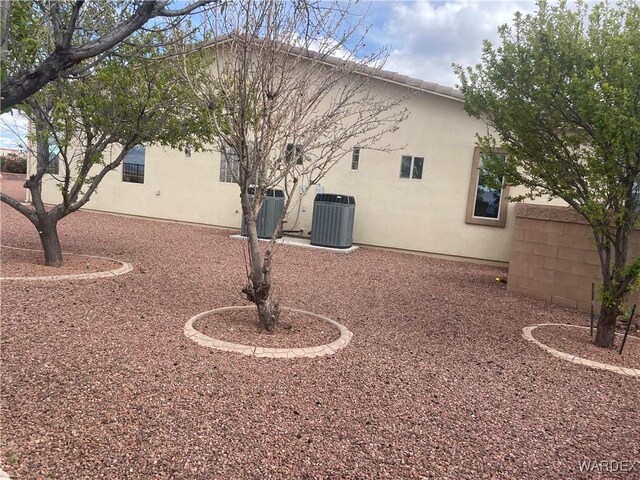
(258, 290)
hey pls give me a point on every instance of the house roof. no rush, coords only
(373, 72)
(398, 78)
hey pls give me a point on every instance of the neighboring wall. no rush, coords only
(553, 256)
(426, 215)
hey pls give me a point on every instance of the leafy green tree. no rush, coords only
(122, 104)
(561, 95)
(81, 35)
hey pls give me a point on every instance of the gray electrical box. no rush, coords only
(332, 222)
(269, 214)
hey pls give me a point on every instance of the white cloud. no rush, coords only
(13, 129)
(324, 45)
(427, 37)
(330, 46)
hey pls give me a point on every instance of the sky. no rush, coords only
(424, 38)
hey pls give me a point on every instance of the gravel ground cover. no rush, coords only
(577, 341)
(99, 382)
(29, 263)
(241, 326)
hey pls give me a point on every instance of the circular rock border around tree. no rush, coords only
(250, 350)
(125, 268)
(528, 335)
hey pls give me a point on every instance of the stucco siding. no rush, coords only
(426, 215)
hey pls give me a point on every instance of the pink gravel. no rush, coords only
(99, 382)
(29, 263)
(296, 330)
(576, 341)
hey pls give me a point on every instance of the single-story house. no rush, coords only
(425, 195)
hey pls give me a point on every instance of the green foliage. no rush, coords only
(126, 100)
(23, 43)
(12, 458)
(42, 40)
(561, 95)
(561, 92)
(13, 164)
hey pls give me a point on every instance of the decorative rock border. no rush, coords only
(527, 334)
(125, 268)
(319, 351)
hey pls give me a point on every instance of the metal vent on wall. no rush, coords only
(332, 222)
(269, 214)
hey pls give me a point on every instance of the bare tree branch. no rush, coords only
(290, 94)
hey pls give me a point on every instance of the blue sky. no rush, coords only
(425, 38)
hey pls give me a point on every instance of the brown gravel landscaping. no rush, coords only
(99, 382)
(576, 341)
(29, 263)
(241, 326)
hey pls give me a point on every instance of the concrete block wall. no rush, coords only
(553, 256)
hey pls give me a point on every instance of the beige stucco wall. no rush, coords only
(175, 187)
(426, 215)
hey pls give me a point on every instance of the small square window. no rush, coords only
(405, 167)
(355, 158)
(411, 167)
(416, 173)
(290, 153)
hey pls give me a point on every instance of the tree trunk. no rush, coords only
(48, 231)
(258, 290)
(268, 314)
(605, 333)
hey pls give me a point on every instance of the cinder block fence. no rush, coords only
(553, 256)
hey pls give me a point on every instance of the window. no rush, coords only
(133, 165)
(290, 153)
(53, 165)
(411, 167)
(485, 203)
(187, 152)
(355, 158)
(229, 165)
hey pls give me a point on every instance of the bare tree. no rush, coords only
(290, 95)
(78, 31)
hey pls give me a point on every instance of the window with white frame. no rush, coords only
(229, 165)
(486, 203)
(411, 167)
(355, 158)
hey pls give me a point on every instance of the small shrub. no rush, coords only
(13, 164)
(12, 458)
